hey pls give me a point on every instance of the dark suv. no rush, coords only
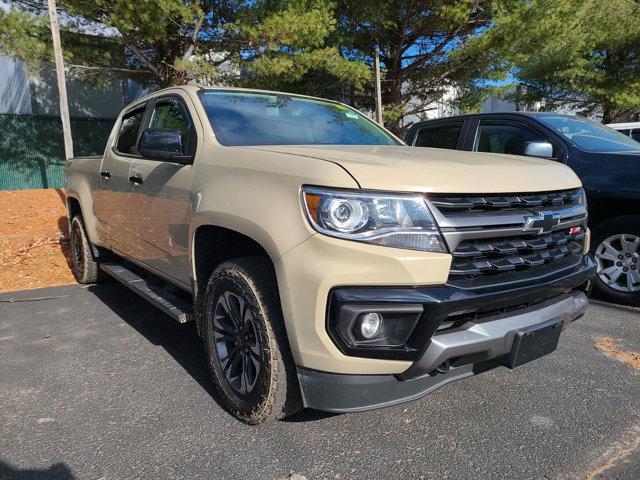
(607, 162)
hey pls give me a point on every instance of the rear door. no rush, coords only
(112, 200)
(160, 196)
(447, 135)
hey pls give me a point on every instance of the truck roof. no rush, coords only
(196, 88)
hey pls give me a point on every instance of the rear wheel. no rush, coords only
(85, 266)
(246, 342)
(616, 249)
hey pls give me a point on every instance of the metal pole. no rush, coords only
(62, 84)
(376, 62)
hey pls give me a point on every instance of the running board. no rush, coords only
(169, 303)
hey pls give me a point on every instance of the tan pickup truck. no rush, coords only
(324, 263)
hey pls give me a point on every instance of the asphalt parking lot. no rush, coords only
(97, 384)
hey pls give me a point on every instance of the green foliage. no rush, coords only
(22, 35)
(284, 44)
(293, 48)
(423, 50)
(582, 53)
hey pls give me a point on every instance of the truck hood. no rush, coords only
(437, 170)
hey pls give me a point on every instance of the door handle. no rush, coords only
(105, 174)
(136, 179)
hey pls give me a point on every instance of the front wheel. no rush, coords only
(616, 249)
(246, 342)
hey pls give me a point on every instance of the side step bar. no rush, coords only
(169, 303)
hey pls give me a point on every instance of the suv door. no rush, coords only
(112, 200)
(509, 137)
(439, 135)
(160, 196)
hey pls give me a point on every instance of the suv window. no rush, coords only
(169, 115)
(128, 135)
(508, 137)
(439, 136)
(635, 134)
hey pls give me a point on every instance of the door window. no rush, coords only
(128, 135)
(440, 136)
(509, 137)
(635, 134)
(169, 115)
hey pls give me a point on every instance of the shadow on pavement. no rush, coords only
(58, 471)
(181, 341)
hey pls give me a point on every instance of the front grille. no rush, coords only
(489, 256)
(474, 203)
(491, 243)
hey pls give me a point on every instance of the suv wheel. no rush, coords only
(616, 249)
(85, 266)
(246, 342)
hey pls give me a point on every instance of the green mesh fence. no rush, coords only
(32, 148)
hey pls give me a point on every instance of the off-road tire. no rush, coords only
(85, 266)
(275, 393)
(629, 225)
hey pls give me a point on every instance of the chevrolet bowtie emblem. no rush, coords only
(542, 222)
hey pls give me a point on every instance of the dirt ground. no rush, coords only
(34, 245)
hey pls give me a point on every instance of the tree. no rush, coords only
(422, 46)
(150, 40)
(293, 46)
(170, 42)
(579, 53)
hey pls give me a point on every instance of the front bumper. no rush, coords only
(483, 342)
(470, 349)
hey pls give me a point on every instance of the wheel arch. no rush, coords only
(213, 244)
(602, 210)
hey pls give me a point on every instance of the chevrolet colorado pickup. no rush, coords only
(325, 263)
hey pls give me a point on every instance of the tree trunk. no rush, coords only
(609, 113)
(392, 95)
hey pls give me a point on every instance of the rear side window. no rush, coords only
(168, 115)
(635, 134)
(441, 136)
(128, 135)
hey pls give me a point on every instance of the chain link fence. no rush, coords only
(32, 148)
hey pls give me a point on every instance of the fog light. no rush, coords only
(370, 325)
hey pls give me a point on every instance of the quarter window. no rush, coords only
(440, 136)
(128, 135)
(510, 138)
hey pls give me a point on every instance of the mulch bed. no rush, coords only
(34, 243)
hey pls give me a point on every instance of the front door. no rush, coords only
(160, 198)
(112, 200)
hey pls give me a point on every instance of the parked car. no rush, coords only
(325, 263)
(629, 129)
(607, 162)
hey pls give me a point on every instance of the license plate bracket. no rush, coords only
(533, 342)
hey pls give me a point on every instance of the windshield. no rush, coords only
(589, 135)
(247, 118)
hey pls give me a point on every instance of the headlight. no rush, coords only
(392, 220)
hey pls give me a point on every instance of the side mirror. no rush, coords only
(539, 149)
(162, 145)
